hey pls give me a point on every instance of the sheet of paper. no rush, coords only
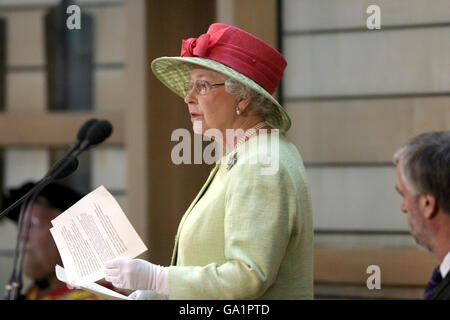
(91, 232)
(92, 287)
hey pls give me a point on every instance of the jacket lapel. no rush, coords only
(444, 286)
(197, 198)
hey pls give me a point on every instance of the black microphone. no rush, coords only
(62, 168)
(96, 134)
(68, 167)
(81, 136)
(84, 129)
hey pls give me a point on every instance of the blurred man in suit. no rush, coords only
(423, 181)
(41, 252)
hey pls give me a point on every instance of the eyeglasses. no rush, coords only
(202, 87)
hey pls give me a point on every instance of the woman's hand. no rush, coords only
(72, 286)
(137, 274)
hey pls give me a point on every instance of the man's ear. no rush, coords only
(428, 206)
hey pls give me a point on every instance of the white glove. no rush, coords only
(137, 274)
(147, 295)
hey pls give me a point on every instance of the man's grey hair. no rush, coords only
(425, 166)
(262, 105)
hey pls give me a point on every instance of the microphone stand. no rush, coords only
(13, 288)
(26, 223)
(13, 283)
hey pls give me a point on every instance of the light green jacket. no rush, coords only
(247, 235)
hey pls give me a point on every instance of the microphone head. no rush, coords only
(71, 164)
(84, 129)
(99, 132)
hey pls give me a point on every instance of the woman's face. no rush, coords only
(215, 109)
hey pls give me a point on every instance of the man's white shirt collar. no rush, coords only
(445, 265)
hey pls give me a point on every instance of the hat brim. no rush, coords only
(174, 72)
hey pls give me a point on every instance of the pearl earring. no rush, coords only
(238, 112)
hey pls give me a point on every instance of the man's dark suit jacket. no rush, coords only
(443, 291)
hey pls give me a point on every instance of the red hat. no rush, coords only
(240, 51)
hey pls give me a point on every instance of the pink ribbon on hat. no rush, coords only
(199, 47)
(195, 47)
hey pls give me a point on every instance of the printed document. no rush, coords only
(91, 232)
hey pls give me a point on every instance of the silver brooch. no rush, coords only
(231, 161)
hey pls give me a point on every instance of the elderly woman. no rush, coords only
(248, 233)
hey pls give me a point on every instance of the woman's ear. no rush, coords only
(243, 104)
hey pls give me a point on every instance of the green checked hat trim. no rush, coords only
(174, 73)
